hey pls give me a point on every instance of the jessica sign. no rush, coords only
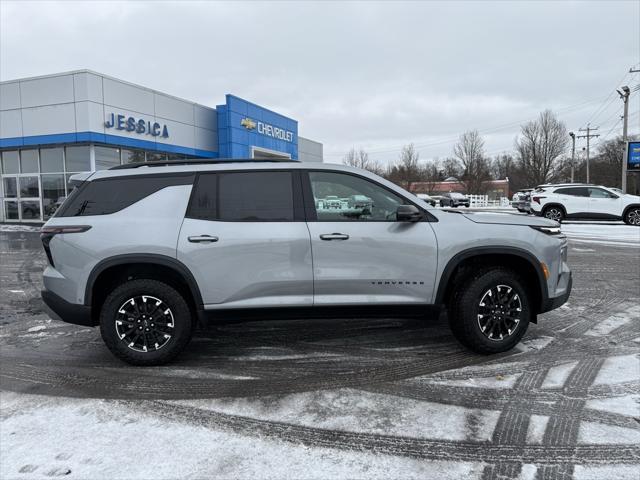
(131, 124)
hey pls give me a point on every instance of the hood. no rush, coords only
(510, 219)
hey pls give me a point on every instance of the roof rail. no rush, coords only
(197, 161)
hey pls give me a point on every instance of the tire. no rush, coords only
(553, 212)
(632, 216)
(521, 210)
(467, 301)
(175, 321)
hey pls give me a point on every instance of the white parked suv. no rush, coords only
(595, 202)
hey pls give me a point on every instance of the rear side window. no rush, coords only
(110, 195)
(243, 197)
(573, 191)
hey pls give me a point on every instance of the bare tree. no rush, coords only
(406, 171)
(360, 159)
(540, 146)
(450, 168)
(475, 166)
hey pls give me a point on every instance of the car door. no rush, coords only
(245, 240)
(361, 253)
(574, 200)
(603, 204)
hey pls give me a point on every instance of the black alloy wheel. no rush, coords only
(144, 323)
(499, 312)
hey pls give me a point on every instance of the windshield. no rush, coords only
(456, 195)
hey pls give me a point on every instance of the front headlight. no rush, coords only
(548, 230)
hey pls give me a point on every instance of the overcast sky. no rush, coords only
(375, 75)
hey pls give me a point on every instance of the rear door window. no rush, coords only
(265, 196)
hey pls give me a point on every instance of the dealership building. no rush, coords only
(54, 126)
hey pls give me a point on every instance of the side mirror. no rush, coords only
(408, 213)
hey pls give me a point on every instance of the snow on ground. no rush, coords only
(614, 322)
(558, 375)
(104, 439)
(599, 434)
(537, 427)
(620, 369)
(619, 472)
(624, 405)
(497, 381)
(362, 412)
(9, 227)
(602, 233)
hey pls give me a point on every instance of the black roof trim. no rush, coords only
(198, 161)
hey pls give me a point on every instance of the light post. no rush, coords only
(573, 153)
(624, 95)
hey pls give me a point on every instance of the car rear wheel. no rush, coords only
(553, 213)
(145, 322)
(632, 217)
(490, 312)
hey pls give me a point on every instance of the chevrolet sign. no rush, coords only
(268, 130)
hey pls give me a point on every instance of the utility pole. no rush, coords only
(588, 136)
(624, 95)
(573, 153)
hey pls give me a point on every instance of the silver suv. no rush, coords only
(150, 252)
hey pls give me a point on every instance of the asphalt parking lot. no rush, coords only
(380, 398)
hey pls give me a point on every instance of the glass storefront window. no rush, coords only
(10, 187)
(30, 210)
(10, 162)
(175, 156)
(78, 159)
(51, 160)
(132, 156)
(52, 193)
(29, 187)
(156, 157)
(11, 210)
(29, 161)
(107, 157)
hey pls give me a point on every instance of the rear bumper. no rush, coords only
(60, 309)
(555, 302)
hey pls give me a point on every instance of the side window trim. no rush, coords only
(310, 207)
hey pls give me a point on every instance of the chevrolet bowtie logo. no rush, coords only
(248, 123)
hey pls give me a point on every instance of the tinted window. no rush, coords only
(573, 191)
(110, 195)
(244, 197)
(343, 197)
(600, 193)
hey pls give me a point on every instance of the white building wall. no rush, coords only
(309, 150)
(83, 101)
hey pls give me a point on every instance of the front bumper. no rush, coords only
(555, 302)
(59, 309)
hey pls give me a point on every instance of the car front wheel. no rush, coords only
(553, 213)
(145, 322)
(490, 312)
(632, 217)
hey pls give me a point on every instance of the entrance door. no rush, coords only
(22, 198)
(246, 242)
(361, 253)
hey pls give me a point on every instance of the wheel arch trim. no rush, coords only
(457, 259)
(148, 258)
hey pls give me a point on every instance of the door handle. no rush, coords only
(334, 236)
(203, 239)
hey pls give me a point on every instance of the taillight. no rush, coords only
(47, 233)
(537, 199)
